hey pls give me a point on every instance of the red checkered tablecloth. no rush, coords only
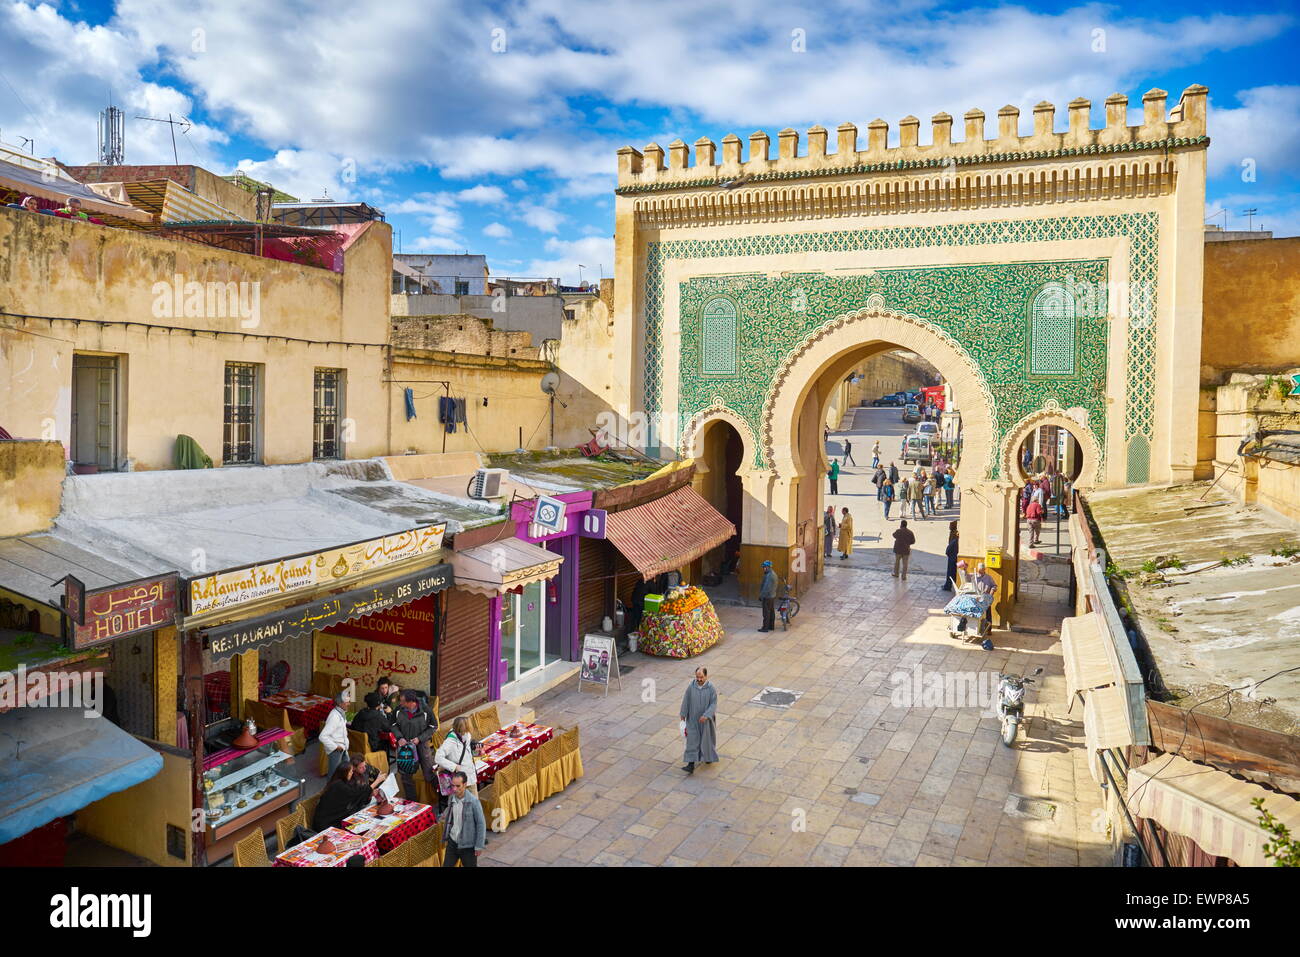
(409, 819)
(500, 748)
(216, 689)
(306, 710)
(346, 844)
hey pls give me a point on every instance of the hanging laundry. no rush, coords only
(410, 404)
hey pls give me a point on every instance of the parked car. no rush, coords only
(919, 449)
(911, 413)
(893, 399)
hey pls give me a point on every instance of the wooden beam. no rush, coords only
(1266, 757)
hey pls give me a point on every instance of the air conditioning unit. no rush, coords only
(487, 483)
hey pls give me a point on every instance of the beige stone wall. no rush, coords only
(1252, 308)
(464, 334)
(31, 484)
(173, 367)
(1244, 405)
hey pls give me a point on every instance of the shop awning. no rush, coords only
(61, 761)
(59, 187)
(298, 620)
(1209, 806)
(499, 567)
(1083, 649)
(669, 532)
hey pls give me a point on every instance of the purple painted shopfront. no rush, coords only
(535, 624)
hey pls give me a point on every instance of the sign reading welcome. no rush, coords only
(228, 589)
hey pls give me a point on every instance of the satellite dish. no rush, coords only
(550, 382)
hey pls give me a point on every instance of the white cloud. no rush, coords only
(497, 231)
(541, 218)
(482, 194)
(1259, 138)
(592, 252)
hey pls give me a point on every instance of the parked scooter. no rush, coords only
(1011, 703)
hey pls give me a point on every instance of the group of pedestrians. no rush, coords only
(1043, 494)
(919, 494)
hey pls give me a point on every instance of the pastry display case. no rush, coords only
(247, 786)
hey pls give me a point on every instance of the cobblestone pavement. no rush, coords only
(872, 782)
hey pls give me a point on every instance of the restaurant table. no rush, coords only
(409, 819)
(216, 692)
(307, 710)
(499, 748)
(347, 844)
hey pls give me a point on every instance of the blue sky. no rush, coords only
(492, 127)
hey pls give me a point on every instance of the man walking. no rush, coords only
(916, 493)
(466, 826)
(848, 453)
(699, 713)
(828, 531)
(875, 455)
(878, 480)
(893, 473)
(835, 477)
(846, 535)
(904, 539)
(767, 595)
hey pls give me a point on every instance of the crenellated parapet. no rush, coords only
(1160, 131)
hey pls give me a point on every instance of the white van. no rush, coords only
(928, 428)
(920, 449)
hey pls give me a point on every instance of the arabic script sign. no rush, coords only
(228, 589)
(122, 610)
(239, 637)
(410, 625)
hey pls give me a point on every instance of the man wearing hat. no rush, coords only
(767, 595)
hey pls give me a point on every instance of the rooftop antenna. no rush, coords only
(172, 122)
(112, 136)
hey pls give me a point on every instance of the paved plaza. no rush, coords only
(843, 776)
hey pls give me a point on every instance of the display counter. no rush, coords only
(246, 787)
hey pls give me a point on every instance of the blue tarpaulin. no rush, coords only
(58, 760)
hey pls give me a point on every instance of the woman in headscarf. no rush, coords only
(950, 583)
(846, 535)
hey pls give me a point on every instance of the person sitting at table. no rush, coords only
(334, 734)
(372, 722)
(350, 790)
(390, 695)
(457, 752)
(414, 726)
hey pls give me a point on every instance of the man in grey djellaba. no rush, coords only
(699, 711)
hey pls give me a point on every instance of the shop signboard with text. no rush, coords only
(120, 610)
(228, 589)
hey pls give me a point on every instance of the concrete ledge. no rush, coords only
(518, 692)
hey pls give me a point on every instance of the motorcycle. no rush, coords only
(1011, 703)
(786, 608)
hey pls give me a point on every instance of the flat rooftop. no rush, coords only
(1230, 616)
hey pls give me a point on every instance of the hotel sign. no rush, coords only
(107, 614)
(239, 637)
(229, 589)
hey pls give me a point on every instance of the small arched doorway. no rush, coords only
(718, 465)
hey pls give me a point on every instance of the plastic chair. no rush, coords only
(285, 825)
(485, 721)
(424, 849)
(572, 760)
(251, 851)
(550, 769)
(308, 808)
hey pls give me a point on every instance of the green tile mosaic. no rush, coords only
(986, 309)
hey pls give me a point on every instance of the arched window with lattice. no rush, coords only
(1053, 331)
(718, 322)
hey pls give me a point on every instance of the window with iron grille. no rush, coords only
(462, 287)
(327, 442)
(239, 442)
(718, 337)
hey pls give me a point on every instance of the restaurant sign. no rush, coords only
(105, 614)
(231, 588)
(239, 637)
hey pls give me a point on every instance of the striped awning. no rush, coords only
(669, 532)
(1087, 665)
(1209, 806)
